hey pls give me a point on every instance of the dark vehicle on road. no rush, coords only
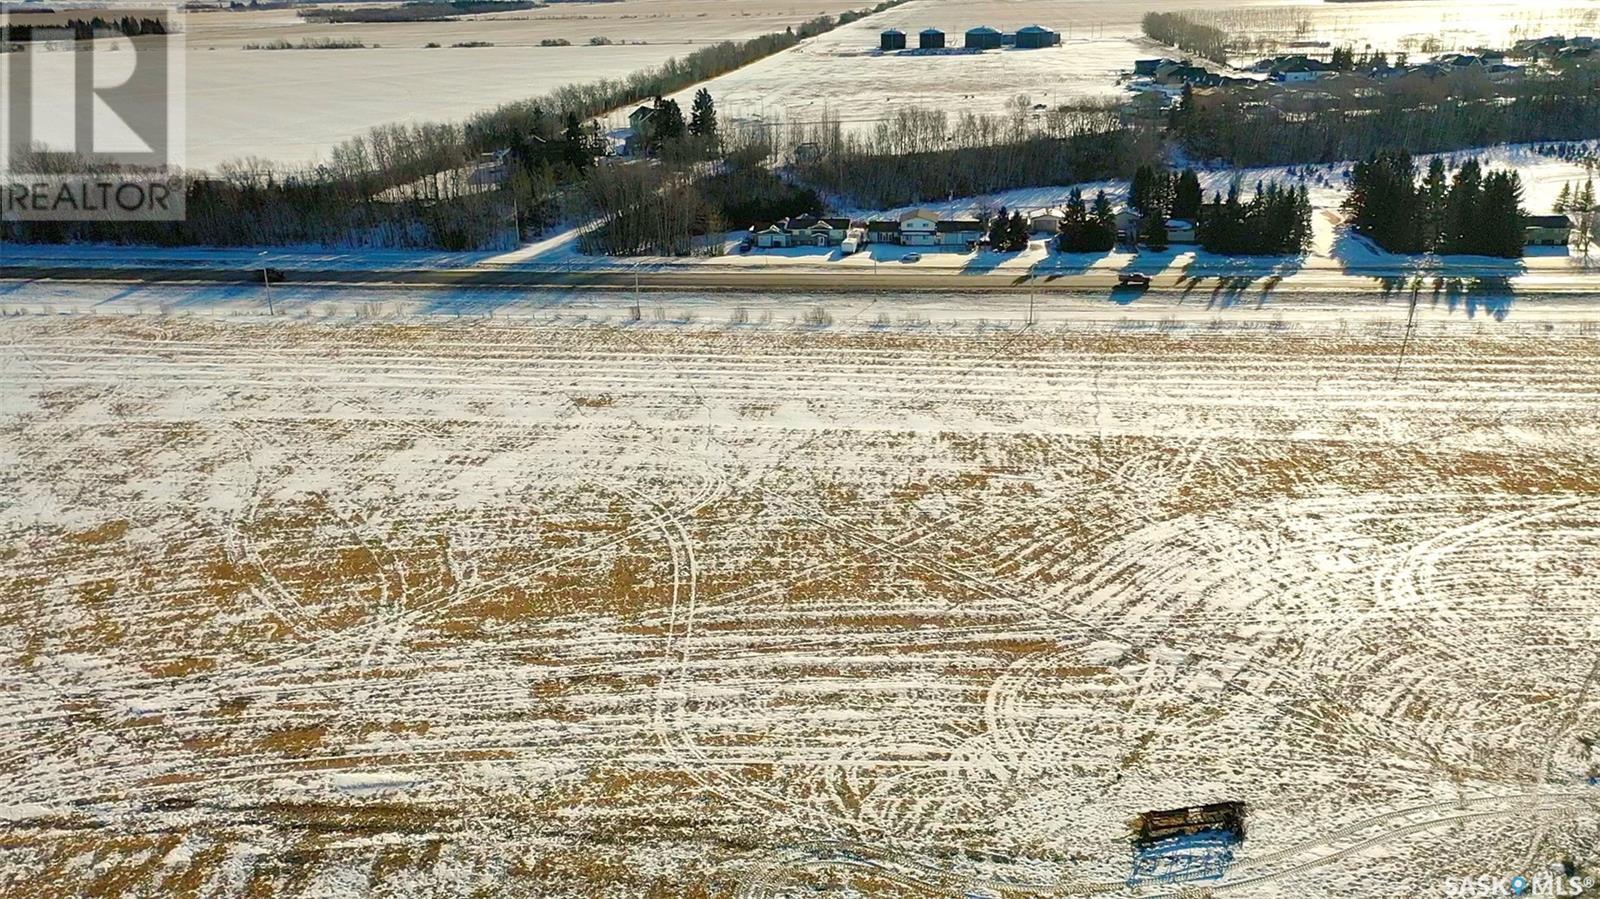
(270, 275)
(1133, 279)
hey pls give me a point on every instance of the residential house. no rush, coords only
(640, 121)
(1180, 231)
(1146, 68)
(1046, 221)
(879, 231)
(919, 228)
(959, 232)
(1128, 222)
(802, 231)
(1501, 72)
(1295, 73)
(1460, 60)
(1546, 230)
(1149, 105)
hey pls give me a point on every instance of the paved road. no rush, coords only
(714, 278)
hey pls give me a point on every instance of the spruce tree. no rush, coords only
(703, 115)
(1017, 232)
(1431, 214)
(997, 230)
(1105, 222)
(1500, 216)
(1461, 208)
(1187, 196)
(668, 121)
(1139, 191)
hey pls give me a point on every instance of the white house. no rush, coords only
(802, 231)
(1045, 222)
(919, 228)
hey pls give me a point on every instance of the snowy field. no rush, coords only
(292, 106)
(843, 74)
(578, 607)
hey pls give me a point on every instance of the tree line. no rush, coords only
(1470, 211)
(1178, 30)
(414, 11)
(1425, 114)
(84, 29)
(1275, 221)
(921, 155)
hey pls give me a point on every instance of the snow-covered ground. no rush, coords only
(561, 607)
(293, 106)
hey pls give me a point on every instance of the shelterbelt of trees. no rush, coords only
(1451, 112)
(1469, 211)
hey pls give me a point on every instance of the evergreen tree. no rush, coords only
(1582, 211)
(1017, 233)
(1105, 220)
(1139, 191)
(998, 228)
(1382, 201)
(1187, 196)
(1563, 199)
(667, 123)
(1301, 236)
(574, 149)
(703, 115)
(1500, 215)
(1461, 208)
(1431, 210)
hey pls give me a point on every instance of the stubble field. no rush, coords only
(477, 608)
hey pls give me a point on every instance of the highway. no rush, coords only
(814, 280)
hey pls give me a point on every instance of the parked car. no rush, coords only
(270, 275)
(911, 257)
(1133, 279)
(744, 246)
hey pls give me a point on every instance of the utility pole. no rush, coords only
(266, 281)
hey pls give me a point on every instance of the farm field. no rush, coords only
(842, 72)
(750, 607)
(291, 106)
